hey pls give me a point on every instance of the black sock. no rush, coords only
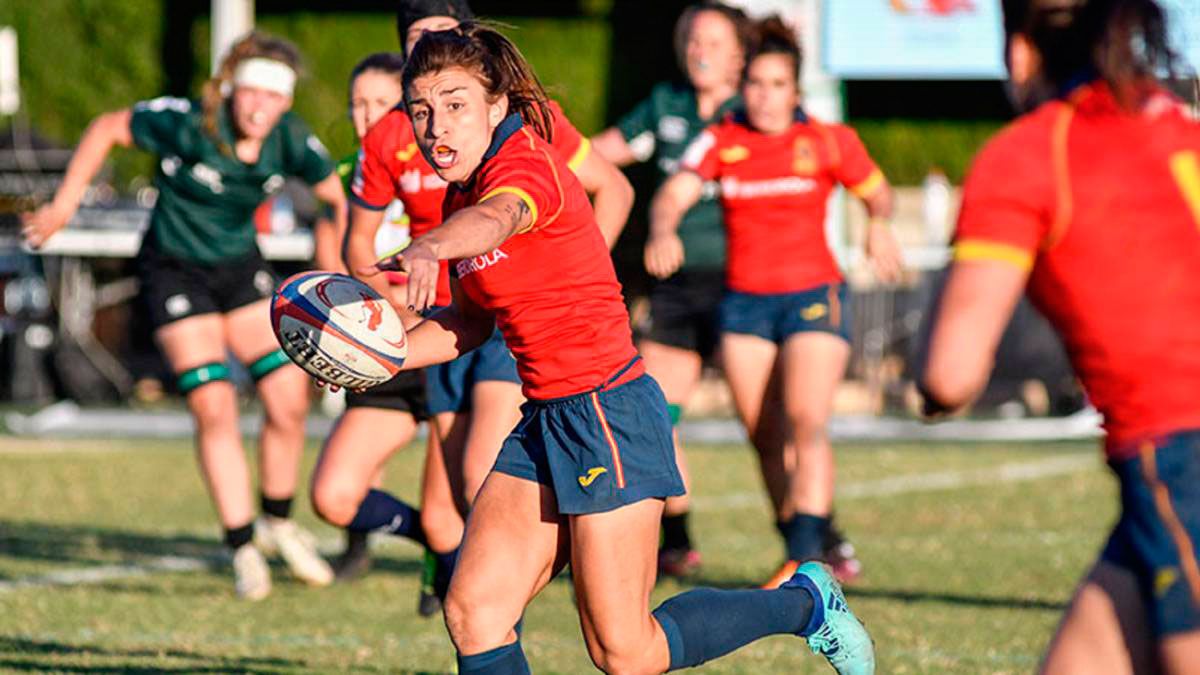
(237, 537)
(276, 508)
(356, 542)
(675, 533)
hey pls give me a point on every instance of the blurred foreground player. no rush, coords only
(1091, 201)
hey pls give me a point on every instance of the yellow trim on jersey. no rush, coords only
(978, 249)
(869, 185)
(576, 161)
(506, 189)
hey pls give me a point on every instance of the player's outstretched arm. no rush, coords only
(449, 333)
(612, 195)
(969, 317)
(330, 233)
(611, 145)
(104, 132)
(664, 249)
(473, 231)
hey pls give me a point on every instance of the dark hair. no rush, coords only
(1121, 41)
(390, 63)
(773, 36)
(742, 26)
(215, 92)
(496, 61)
(409, 12)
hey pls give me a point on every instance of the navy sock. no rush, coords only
(804, 536)
(381, 512)
(506, 660)
(706, 623)
(276, 508)
(445, 570)
(675, 533)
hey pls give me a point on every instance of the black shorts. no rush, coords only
(684, 311)
(174, 289)
(404, 392)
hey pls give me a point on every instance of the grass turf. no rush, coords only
(958, 580)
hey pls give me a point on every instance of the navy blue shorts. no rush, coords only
(448, 385)
(1159, 527)
(599, 450)
(778, 316)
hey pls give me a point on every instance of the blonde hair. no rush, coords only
(216, 89)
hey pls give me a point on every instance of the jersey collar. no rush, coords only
(509, 126)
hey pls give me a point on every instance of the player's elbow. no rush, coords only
(951, 385)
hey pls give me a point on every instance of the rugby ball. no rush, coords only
(338, 329)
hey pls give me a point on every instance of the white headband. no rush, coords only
(266, 74)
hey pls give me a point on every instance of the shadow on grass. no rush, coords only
(899, 595)
(29, 655)
(84, 545)
(21, 654)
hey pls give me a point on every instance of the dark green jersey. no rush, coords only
(661, 128)
(207, 198)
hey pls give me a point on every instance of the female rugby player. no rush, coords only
(378, 422)
(1091, 200)
(206, 286)
(784, 319)
(475, 400)
(583, 476)
(711, 40)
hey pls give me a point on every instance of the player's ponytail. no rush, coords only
(1123, 42)
(773, 36)
(217, 89)
(496, 62)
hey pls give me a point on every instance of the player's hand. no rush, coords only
(883, 252)
(40, 225)
(664, 254)
(421, 263)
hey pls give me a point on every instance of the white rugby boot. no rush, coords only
(251, 576)
(297, 547)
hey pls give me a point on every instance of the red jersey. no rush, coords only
(391, 166)
(551, 287)
(773, 191)
(1103, 206)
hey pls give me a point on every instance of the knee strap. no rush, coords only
(268, 364)
(675, 411)
(190, 380)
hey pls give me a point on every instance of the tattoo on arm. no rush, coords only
(517, 213)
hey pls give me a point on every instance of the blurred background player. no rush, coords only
(784, 318)
(474, 400)
(711, 40)
(206, 286)
(377, 422)
(584, 476)
(1092, 201)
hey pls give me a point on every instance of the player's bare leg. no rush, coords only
(495, 410)
(193, 343)
(514, 545)
(677, 372)
(1105, 629)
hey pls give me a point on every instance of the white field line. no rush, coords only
(937, 481)
(898, 485)
(100, 574)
